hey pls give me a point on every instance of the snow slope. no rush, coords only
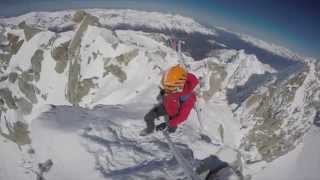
(302, 163)
(104, 143)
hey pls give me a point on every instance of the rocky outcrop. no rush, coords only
(18, 134)
(4, 59)
(10, 48)
(116, 71)
(74, 83)
(24, 106)
(28, 89)
(271, 113)
(6, 95)
(14, 43)
(156, 55)
(13, 77)
(29, 31)
(2, 32)
(36, 60)
(217, 76)
(125, 58)
(79, 15)
(60, 55)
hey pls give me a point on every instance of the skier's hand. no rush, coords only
(161, 126)
(171, 129)
(165, 127)
(162, 92)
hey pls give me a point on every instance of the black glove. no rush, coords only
(162, 92)
(171, 129)
(161, 126)
(164, 127)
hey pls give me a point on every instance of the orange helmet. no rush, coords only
(174, 78)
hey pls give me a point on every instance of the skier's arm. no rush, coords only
(160, 95)
(191, 83)
(184, 112)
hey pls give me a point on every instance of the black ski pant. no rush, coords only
(156, 112)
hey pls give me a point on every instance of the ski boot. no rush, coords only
(146, 132)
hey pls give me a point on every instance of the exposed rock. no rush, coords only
(75, 43)
(44, 168)
(156, 55)
(252, 100)
(116, 71)
(240, 93)
(127, 57)
(115, 45)
(84, 88)
(74, 84)
(36, 60)
(94, 55)
(218, 74)
(3, 78)
(48, 45)
(31, 151)
(14, 43)
(221, 132)
(27, 76)
(60, 55)
(29, 90)
(6, 94)
(316, 120)
(270, 139)
(13, 77)
(19, 134)
(2, 32)
(24, 106)
(44, 96)
(4, 59)
(106, 61)
(29, 31)
(78, 16)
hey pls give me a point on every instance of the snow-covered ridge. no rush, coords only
(241, 67)
(271, 47)
(155, 20)
(111, 17)
(134, 18)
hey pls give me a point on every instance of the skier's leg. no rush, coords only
(162, 112)
(150, 117)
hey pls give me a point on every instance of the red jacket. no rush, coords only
(178, 105)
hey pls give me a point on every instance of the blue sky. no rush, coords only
(291, 23)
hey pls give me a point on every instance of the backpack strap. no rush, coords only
(184, 98)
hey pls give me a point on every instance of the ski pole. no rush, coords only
(180, 159)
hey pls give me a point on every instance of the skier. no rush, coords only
(176, 97)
